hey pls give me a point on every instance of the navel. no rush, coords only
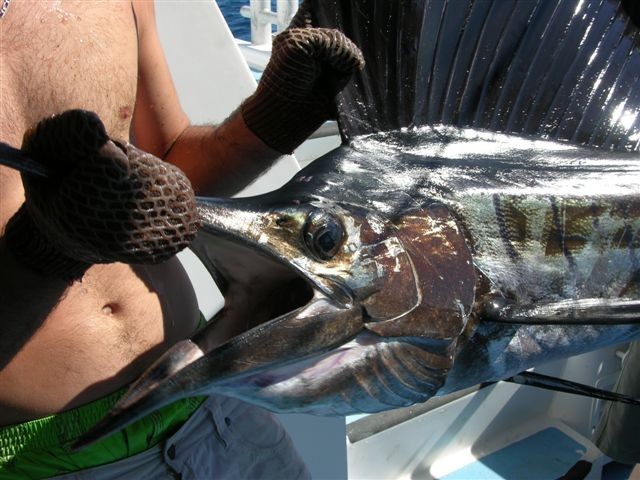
(109, 309)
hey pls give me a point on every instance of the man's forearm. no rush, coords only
(221, 160)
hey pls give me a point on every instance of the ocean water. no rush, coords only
(240, 26)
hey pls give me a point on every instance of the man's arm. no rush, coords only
(296, 94)
(219, 160)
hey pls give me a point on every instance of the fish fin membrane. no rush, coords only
(551, 69)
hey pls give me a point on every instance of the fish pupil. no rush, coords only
(323, 235)
(328, 239)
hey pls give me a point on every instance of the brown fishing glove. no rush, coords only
(104, 201)
(296, 93)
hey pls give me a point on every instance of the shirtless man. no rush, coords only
(65, 345)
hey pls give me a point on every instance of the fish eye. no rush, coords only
(323, 235)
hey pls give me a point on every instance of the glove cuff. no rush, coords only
(280, 124)
(27, 243)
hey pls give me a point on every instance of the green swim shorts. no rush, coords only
(40, 448)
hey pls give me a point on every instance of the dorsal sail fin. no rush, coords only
(564, 70)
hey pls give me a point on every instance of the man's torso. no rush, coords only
(56, 55)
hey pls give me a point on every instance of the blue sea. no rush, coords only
(240, 26)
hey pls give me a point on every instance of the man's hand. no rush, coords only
(296, 93)
(105, 201)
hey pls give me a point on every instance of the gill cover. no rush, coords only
(444, 275)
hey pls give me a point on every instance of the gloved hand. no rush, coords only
(296, 93)
(105, 201)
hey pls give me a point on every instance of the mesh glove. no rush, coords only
(106, 201)
(296, 93)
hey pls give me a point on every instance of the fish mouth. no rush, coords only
(257, 288)
(256, 273)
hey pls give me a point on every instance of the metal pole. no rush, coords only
(260, 31)
(262, 17)
(286, 10)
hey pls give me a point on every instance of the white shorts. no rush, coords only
(617, 432)
(224, 439)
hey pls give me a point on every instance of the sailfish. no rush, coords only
(481, 217)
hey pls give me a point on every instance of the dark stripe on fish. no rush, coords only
(560, 236)
(503, 227)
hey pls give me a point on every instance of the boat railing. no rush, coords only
(263, 18)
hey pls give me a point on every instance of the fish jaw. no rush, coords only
(367, 374)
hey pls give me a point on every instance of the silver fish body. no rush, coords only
(553, 229)
(566, 236)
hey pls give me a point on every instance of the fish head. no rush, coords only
(352, 257)
(393, 267)
(392, 290)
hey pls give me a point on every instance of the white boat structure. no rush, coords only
(498, 431)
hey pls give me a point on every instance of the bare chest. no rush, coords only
(62, 54)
